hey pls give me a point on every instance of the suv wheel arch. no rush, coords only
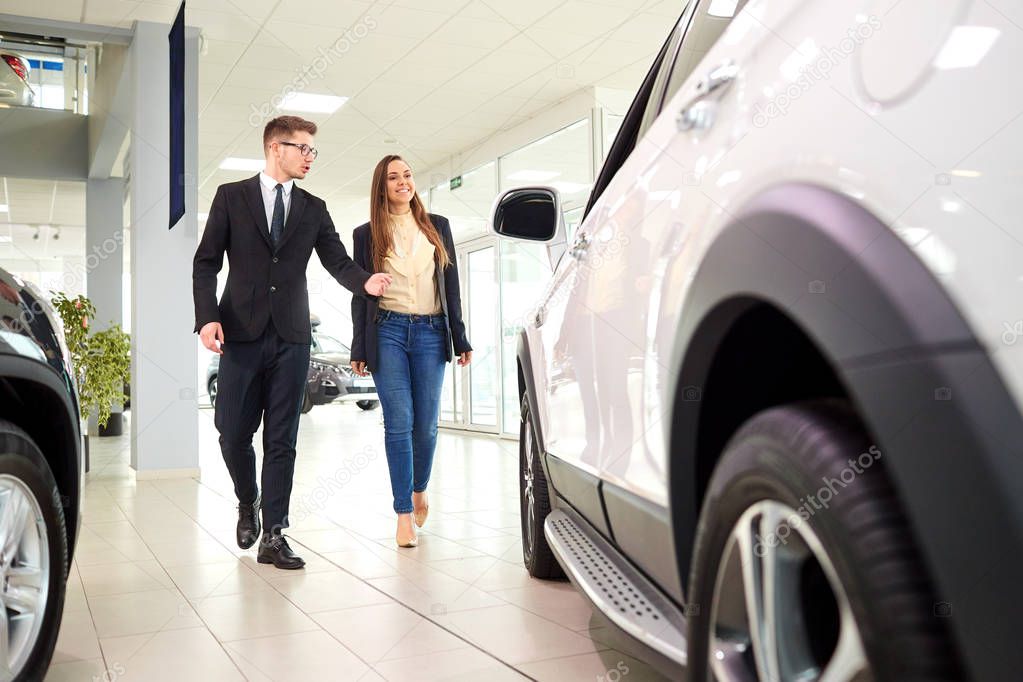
(896, 346)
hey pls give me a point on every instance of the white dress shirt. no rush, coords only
(266, 186)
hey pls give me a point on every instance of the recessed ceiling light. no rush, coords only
(570, 187)
(237, 163)
(533, 175)
(4, 209)
(722, 8)
(312, 104)
(965, 47)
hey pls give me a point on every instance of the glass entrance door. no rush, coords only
(472, 395)
(484, 383)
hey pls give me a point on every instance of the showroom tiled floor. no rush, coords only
(160, 591)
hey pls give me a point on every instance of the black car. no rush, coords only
(41, 478)
(330, 377)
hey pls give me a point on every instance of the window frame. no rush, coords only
(700, 4)
(633, 124)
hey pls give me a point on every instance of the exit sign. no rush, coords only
(456, 182)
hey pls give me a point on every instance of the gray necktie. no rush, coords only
(277, 223)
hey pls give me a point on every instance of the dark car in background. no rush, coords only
(330, 376)
(41, 478)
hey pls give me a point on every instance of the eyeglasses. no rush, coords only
(303, 149)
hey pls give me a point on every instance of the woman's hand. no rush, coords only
(359, 367)
(377, 284)
(465, 358)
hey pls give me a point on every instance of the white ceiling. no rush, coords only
(427, 78)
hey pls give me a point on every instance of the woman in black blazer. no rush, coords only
(407, 334)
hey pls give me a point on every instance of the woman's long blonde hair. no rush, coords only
(380, 224)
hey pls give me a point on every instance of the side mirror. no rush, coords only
(531, 214)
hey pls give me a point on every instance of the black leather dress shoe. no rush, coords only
(247, 531)
(274, 549)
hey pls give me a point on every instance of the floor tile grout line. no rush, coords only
(358, 537)
(388, 596)
(177, 589)
(92, 617)
(291, 601)
(413, 610)
(494, 559)
(506, 603)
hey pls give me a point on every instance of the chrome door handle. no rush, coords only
(580, 245)
(700, 112)
(719, 77)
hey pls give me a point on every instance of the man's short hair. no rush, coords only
(284, 126)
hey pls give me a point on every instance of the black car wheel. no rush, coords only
(307, 403)
(804, 565)
(367, 404)
(212, 389)
(33, 557)
(535, 503)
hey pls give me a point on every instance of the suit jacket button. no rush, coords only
(275, 259)
(273, 289)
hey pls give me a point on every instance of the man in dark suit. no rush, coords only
(268, 227)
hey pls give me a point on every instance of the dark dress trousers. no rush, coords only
(264, 312)
(364, 309)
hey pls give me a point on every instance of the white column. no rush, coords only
(164, 425)
(104, 265)
(72, 277)
(104, 249)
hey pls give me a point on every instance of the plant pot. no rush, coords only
(115, 425)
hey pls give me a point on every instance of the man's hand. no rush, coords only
(359, 367)
(377, 284)
(212, 335)
(465, 358)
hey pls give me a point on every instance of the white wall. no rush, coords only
(43, 143)
(547, 121)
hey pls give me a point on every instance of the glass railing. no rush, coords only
(44, 74)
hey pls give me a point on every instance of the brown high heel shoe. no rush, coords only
(419, 515)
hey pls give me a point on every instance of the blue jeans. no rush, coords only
(409, 377)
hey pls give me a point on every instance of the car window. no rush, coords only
(628, 133)
(709, 22)
(698, 28)
(328, 344)
(653, 103)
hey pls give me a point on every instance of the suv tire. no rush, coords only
(832, 584)
(33, 555)
(534, 501)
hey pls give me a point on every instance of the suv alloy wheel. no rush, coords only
(33, 557)
(789, 585)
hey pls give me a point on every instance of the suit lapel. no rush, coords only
(298, 203)
(254, 199)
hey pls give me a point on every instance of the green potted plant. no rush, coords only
(102, 361)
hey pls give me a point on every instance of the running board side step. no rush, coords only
(617, 589)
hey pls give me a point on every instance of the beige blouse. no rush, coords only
(410, 263)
